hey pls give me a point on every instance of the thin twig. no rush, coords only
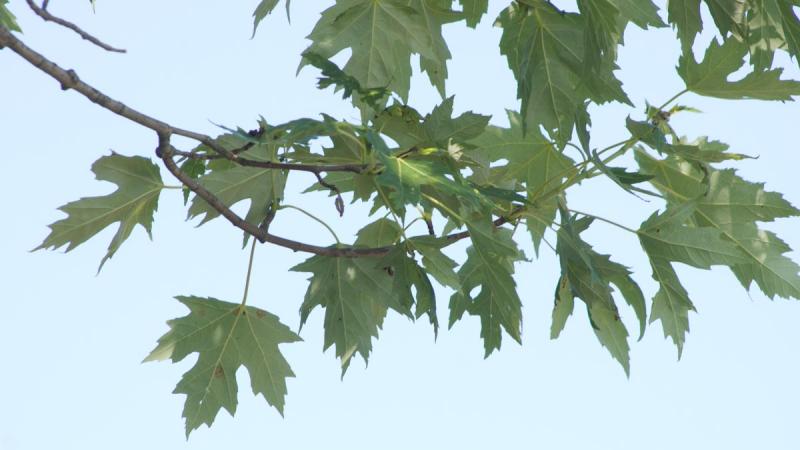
(46, 16)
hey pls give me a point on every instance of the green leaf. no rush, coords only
(356, 294)
(563, 306)
(589, 275)
(225, 336)
(545, 50)
(264, 9)
(791, 27)
(437, 129)
(6, 18)
(134, 202)
(382, 36)
(438, 265)
(489, 266)
(667, 237)
(733, 206)
(728, 15)
(381, 233)
(332, 75)
(641, 12)
(407, 177)
(435, 13)
(474, 10)
(406, 274)
(710, 76)
(602, 33)
(232, 183)
(533, 161)
(685, 15)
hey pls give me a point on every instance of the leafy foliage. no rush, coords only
(472, 181)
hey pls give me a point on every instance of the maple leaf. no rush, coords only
(666, 239)
(710, 76)
(232, 183)
(533, 161)
(435, 13)
(643, 13)
(134, 202)
(356, 294)
(545, 50)
(731, 207)
(490, 266)
(370, 27)
(589, 275)
(225, 336)
(473, 10)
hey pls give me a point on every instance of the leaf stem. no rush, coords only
(322, 222)
(603, 219)
(249, 271)
(672, 99)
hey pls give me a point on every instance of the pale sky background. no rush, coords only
(72, 342)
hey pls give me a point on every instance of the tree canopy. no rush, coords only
(457, 178)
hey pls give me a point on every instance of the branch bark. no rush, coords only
(46, 16)
(70, 80)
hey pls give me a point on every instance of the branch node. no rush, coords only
(73, 80)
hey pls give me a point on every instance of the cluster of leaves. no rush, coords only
(467, 179)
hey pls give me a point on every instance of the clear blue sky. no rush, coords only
(72, 342)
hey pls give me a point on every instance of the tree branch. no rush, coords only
(70, 80)
(46, 16)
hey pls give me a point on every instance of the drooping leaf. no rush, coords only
(133, 203)
(710, 76)
(490, 266)
(355, 294)
(225, 337)
(589, 275)
(382, 36)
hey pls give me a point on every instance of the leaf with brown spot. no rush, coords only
(225, 337)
